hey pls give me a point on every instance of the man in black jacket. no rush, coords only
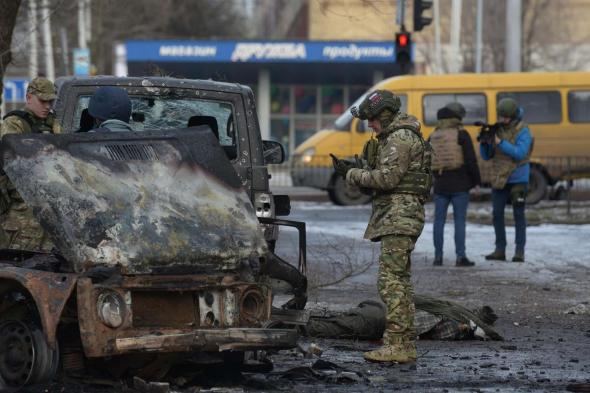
(455, 170)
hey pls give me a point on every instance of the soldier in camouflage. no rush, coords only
(20, 230)
(397, 170)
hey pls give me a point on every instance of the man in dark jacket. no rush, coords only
(455, 170)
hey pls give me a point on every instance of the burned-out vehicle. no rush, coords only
(163, 237)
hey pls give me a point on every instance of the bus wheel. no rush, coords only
(537, 185)
(25, 357)
(344, 194)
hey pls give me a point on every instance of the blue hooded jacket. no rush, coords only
(516, 151)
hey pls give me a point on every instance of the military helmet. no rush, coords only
(110, 102)
(508, 107)
(457, 108)
(42, 88)
(375, 103)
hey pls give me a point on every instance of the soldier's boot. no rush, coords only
(392, 353)
(518, 256)
(497, 255)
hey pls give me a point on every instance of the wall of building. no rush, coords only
(352, 20)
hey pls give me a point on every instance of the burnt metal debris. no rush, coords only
(158, 246)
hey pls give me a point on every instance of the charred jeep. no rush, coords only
(163, 237)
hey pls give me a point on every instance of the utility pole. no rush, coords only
(88, 20)
(33, 39)
(47, 41)
(479, 36)
(456, 35)
(82, 41)
(437, 47)
(401, 14)
(513, 35)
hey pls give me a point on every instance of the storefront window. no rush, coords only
(332, 100)
(304, 128)
(280, 99)
(279, 131)
(328, 122)
(355, 92)
(305, 99)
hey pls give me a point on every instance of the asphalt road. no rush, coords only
(544, 349)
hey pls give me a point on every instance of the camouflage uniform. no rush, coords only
(20, 229)
(399, 176)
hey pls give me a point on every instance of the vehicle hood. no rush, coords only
(145, 202)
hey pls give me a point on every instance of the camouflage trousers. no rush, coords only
(20, 230)
(395, 289)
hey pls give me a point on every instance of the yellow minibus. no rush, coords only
(556, 107)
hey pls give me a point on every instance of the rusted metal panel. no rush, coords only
(50, 291)
(177, 314)
(147, 202)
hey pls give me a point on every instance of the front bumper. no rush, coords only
(209, 340)
(178, 314)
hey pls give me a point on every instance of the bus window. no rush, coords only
(539, 106)
(578, 103)
(475, 106)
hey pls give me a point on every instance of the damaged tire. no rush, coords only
(25, 356)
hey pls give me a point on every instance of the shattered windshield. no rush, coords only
(160, 113)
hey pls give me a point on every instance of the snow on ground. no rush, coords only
(551, 249)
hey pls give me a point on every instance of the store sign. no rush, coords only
(261, 52)
(249, 51)
(15, 90)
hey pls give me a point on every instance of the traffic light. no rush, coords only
(419, 7)
(403, 49)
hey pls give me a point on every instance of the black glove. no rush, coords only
(341, 166)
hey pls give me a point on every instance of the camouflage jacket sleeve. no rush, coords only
(12, 125)
(393, 162)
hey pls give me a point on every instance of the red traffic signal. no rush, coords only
(403, 50)
(402, 40)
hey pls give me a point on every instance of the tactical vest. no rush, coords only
(502, 164)
(448, 154)
(47, 126)
(417, 182)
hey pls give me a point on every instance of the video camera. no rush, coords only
(488, 132)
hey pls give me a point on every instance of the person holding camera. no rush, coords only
(455, 170)
(510, 152)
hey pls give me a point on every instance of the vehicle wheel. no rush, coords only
(25, 357)
(537, 185)
(343, 194)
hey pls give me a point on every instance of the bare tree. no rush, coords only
(337, 262)
(548, 36)
(7, 22)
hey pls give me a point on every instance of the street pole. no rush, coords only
(513, 35)
(437, 47)
(456, 35)
(401, 14)
(47, 41)
(88, 20)
(479, 38)
(81, 24)
(33, 39)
